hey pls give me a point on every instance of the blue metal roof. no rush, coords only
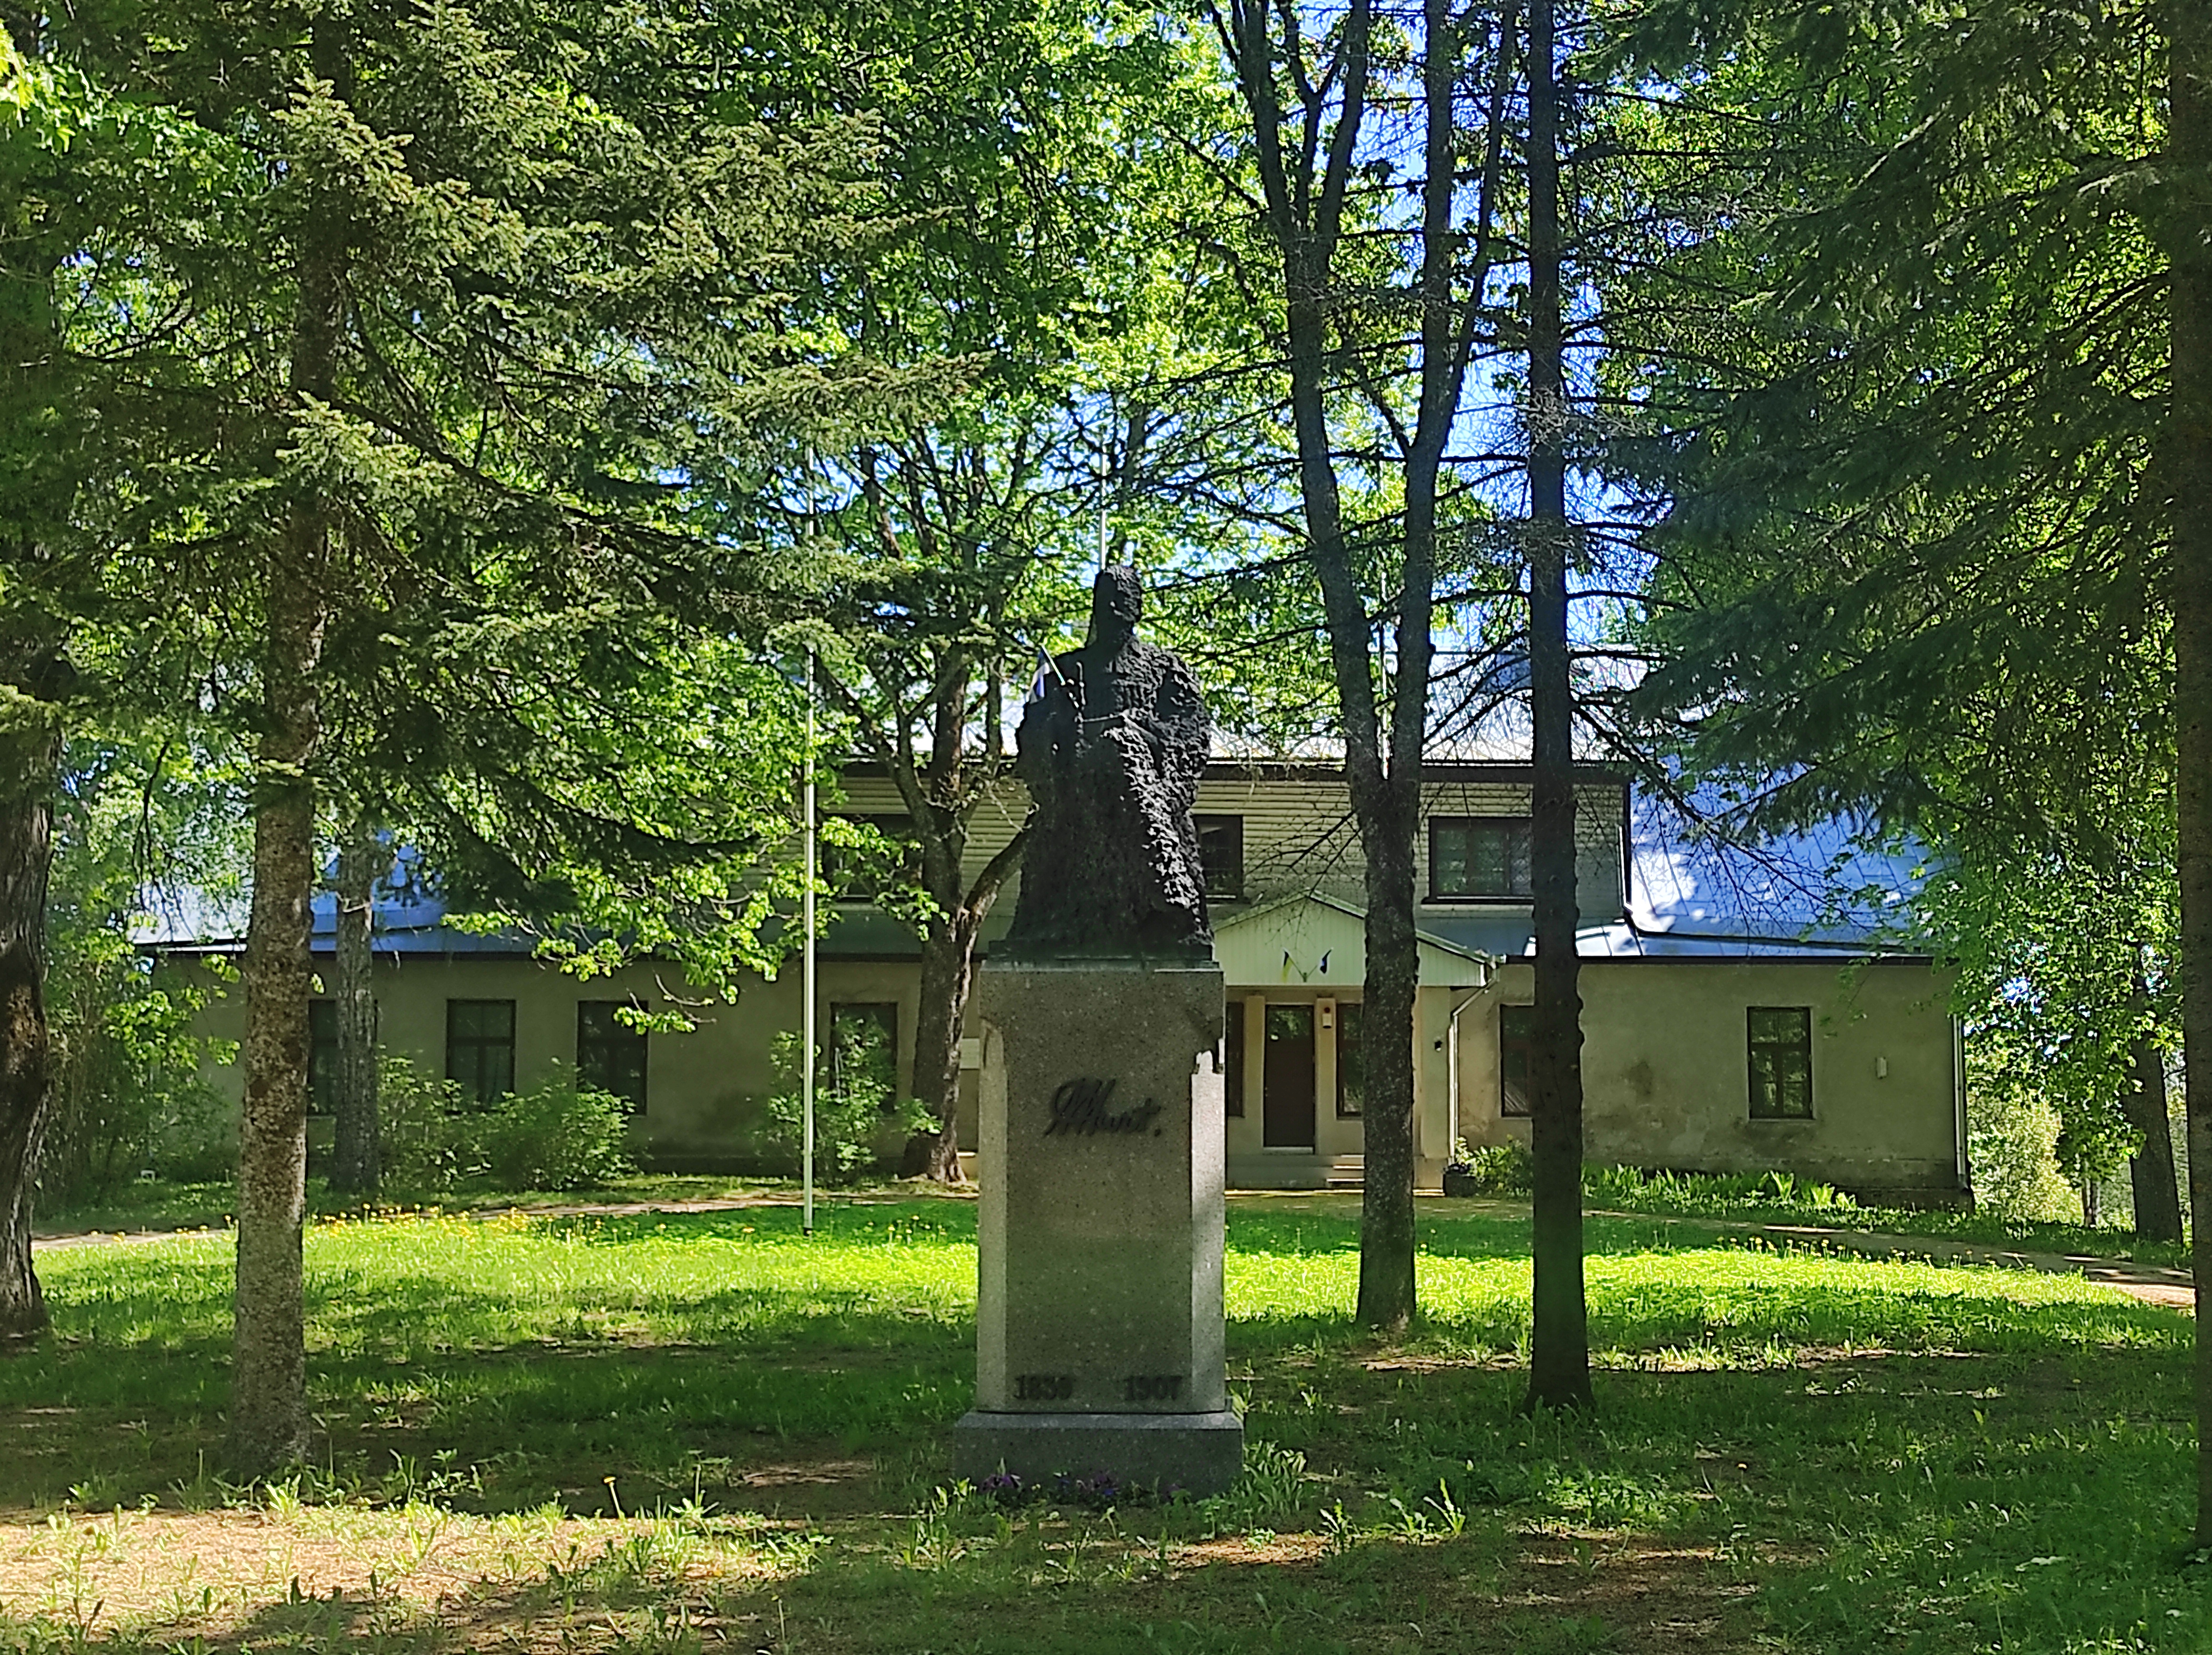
(1691, 895)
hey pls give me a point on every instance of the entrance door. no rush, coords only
(1287, 1083)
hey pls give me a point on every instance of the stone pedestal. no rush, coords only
(1098, 1343)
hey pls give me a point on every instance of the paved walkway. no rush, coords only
(2155, 1284)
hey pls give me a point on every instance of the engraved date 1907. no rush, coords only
(1043, 1387)
(1152, 1387)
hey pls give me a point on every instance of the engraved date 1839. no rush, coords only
(1043, 1387)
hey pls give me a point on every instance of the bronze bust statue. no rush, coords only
(1112, 752)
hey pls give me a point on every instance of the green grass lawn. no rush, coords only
(156, 1206)
(702, 1431)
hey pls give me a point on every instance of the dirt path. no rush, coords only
(45, 1242)
(2155, 1284)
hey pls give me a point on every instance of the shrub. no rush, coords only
(422, 1137)
(851, 1118)
(1499, 1168)
(556, 1135)
(1640, 1189)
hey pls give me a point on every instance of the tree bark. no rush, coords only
(1558, 1364)
(269, 1388)
(2189, 470)
(1387, 1301)
(356, 1163)
(940, 800)
(30, 760)
(2151, 1174)
(1305, 183)
(269, 1397)
(947, 971)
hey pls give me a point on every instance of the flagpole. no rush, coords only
(806, 1014)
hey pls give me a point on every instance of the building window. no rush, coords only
(1476, 856)
(863, 1056)
(1351, 1063)
(1232, 1058)
(610, 1053)
(322, 1057)
(1221, 856)
(1516, 1037)
(480, 1047)
(857, 876)
(1779, 1041)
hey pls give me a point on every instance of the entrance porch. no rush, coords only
(1293, 1054)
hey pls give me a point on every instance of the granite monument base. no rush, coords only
(1098, 1326)
(1197, 1454)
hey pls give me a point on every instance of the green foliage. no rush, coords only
(857, 1110)
(555, 1135)
(1498, 1168)
(128, 1097)
(421, 1148)
(2011, 1138)
(1905, 357)
(1273, 1492)
(1638, 1189)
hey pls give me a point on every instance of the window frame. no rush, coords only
(1521, 826)
(831, 1051)
(1525, 1044)
(472, 1085)
(1798, 1045)
(1230, 890)
(1232, 1056)
(1349, 1018)
(623, 1038)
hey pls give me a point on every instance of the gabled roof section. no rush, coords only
(1313, 938)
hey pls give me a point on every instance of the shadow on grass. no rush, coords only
(1940, 1500)
(1892, 1457)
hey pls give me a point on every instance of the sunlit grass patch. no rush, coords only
(688, 1431)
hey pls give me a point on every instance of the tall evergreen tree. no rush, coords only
(1937, 490)
(442, 339)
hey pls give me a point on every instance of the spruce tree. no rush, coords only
(1935, 432)
(448, 325)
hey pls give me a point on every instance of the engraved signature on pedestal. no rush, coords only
(1079, 1110)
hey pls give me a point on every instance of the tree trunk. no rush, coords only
(947, 971)
(2150, 1170)
(269, 1365)
(1390, 823)
(1558, 1364)
(269, 1395)
(30, 758)
(2188, 460)
(355, 1165)
(1387, 1296)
